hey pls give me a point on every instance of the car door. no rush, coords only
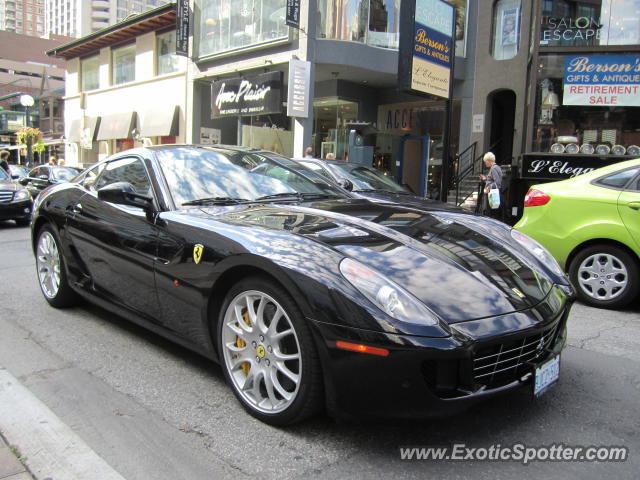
(37, 180)
(117, 243)
(629, 208)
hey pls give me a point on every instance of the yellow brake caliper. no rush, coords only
(240, 343)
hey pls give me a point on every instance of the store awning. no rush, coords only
(88, 133)
(75, 130)
(159, 122)
(117, 125)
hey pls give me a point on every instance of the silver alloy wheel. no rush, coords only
(48, 264)
(602, 276)
(261, 352)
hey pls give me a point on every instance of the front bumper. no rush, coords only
(16, 210)
(425, 377)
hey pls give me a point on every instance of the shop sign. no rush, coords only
(427, 49)
(293, 13)
(561, 167)
(257, 95)
(182, 28)
(210, 136)
(299, 85)
(567, 29)
(602, 80)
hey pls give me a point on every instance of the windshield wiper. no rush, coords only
(281, 196)
(216, 201)
(309, 196)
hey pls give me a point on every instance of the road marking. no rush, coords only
(51, 448)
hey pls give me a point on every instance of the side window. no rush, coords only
(43, 172)
(34, 173)
(618, 179)
(130, 170)
(317, 169)
(634, 186)
(89, 177)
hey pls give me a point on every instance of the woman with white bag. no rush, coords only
(493, 186)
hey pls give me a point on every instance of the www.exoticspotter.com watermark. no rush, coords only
(518, 452)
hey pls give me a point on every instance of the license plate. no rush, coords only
(546, 375)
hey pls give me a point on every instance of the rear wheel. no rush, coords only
(605, 276)
(267, 353)
(51, 271)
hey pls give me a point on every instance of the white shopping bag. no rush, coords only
(494, 198)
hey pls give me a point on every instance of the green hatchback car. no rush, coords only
(591, 225)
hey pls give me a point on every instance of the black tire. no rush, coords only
(47, 248)
(601, 256)
(308, 394)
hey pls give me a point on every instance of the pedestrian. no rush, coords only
(4, 160)
(53, 160)
(61, 161)
(493, 179)
(308, 153)
(330, 156)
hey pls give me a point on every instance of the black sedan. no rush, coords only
(42, 176)
(307, 297)
(370, 183)
(15, 200)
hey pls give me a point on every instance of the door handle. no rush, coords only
(634, 205)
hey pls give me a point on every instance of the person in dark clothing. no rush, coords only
(493, 179)
(4, 160)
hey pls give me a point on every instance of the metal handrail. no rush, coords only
(476, 167)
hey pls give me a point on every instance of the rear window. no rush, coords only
(618, 179)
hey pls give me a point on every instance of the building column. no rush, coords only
(303, 127)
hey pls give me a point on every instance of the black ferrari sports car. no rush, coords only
(306, 296)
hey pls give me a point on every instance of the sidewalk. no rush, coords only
(10, 466)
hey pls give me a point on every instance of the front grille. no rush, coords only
(6, 196)
(503, 363)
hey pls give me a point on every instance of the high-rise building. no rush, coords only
(77, 18)
(23, 16)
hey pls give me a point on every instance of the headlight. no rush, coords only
(537, 250)
(386, 295)
(22, 195)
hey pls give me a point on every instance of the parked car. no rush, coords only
(17, 171)
(306, 296)
(15, 200)
(591, 225)
(370, 183)
(42, 176)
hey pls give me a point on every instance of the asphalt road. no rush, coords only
(153, 410)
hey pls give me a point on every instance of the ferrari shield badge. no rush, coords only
(198, 250)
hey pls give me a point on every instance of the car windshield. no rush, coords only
(364, 178)
(16, 170)
(63, 173)
(3, 174)
(201, 175)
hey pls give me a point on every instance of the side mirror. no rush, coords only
(23, 181)
(346, 184)
(123, 193)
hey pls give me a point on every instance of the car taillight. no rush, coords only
(536, 198)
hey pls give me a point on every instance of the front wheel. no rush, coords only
(267, 353)
(605, 276)
(51, 272)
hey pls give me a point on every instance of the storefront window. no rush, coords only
(234, 24)
(506, 29)
(331, 117)
(89, 73)
(168, 61)
(590, 22)
(588, 104)
(374, 22)
(123, 65)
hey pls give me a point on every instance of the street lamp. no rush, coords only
(27, 101)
